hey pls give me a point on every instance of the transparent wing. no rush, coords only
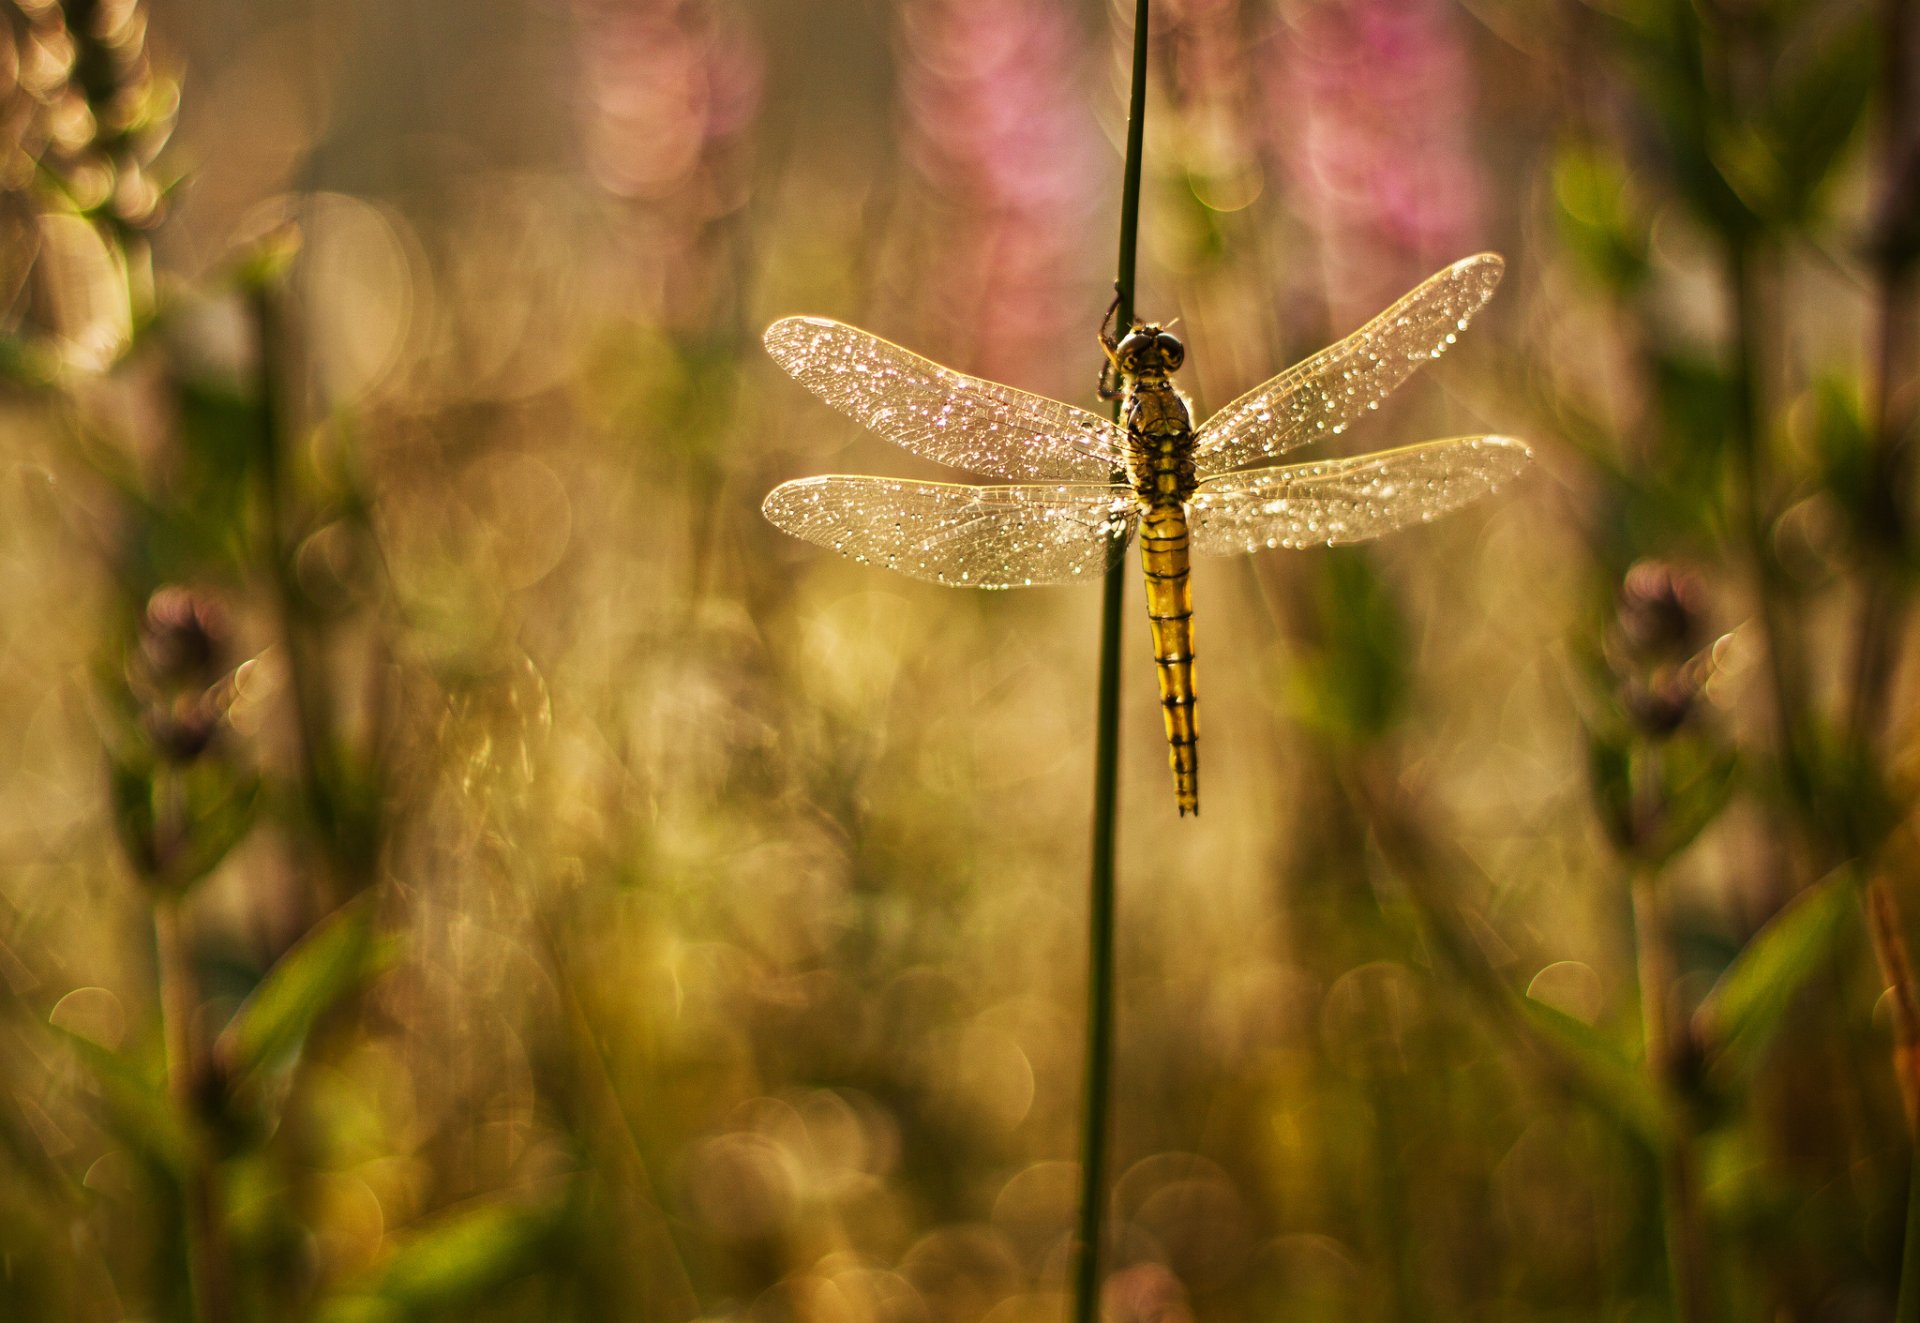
(1322, 396)
(1348, 500)
(973, 537)
(949, 417)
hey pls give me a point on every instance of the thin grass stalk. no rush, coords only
(1106, 767)
(1896, 336)
(313, 719)
(1686, 1240)
(1906, 1308)
(208, 1287)
(1896, 967)
(1787, 693)
(1887, 600)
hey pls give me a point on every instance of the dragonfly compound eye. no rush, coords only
(1145, 350)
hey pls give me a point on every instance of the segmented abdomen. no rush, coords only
(1163, 554)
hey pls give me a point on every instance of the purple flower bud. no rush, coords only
(1655, 646)
(178, 670)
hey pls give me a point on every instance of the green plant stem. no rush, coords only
(1903, 1003)
(661, 1266)
(1106, 766)
(1906, 1307)
(1896, 341)
(207, 1284)
(1687, 1259)
(1783, 669)
(313, 720)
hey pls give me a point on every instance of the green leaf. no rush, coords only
(1610, 780)
(330, 962)
(221, 804)
(1601, 1073)
(1354, 684)
(1842, 444)
(130, 789)
(1600, 219)
(1817, 110)
(134, 1105)
(1750, 1002)
(451, 1263)
(213, 806)
(1695, 397)
(1697, 780)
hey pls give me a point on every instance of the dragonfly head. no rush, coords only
(1149, 351)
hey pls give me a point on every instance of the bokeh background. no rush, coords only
(458, 861)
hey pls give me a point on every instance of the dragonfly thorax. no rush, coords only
(1159, 442)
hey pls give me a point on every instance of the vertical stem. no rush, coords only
(1685, 1234)
(1906, 1308)
(206, 1260)
(1896, 966)
(1752, 519)
(1892, 379)
(313, 720)
(1106, 763)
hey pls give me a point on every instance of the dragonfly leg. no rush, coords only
(1109, 383)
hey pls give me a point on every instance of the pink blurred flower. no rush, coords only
(997, 127)
(1372, 104)
(671, 89)
(1146, 1293)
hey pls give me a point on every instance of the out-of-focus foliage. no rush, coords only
(460, 862)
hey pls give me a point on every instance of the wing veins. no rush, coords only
(988, 537)
(1323, 395)
(1339, 501)
(953, 419)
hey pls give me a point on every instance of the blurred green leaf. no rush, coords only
(1599, 220)
(1747, 160)
(1697, 778)
(1751, 1000)
(222, 804)
(1601, 1073)
(27, 365)
(1817, 108)
(1655, 798)
(1354, 684)
(176, 826)
(1610, 780)
(130, 791)
(1832, 421)
(134, 1104)
(333, 960)
(213, 479)
(452, 1263)
(1665, 52)
(1779, 159)
(1695, 398)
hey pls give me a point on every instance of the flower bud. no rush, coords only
(1656, 645)
(178, 672)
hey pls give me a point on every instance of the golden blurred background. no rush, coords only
(461, 862)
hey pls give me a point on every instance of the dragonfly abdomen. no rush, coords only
(1160, 434)
(1163, 554)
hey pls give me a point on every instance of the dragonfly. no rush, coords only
(1076, 487)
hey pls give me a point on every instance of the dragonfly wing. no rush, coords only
(947, 416)
(972, 537)
(1322, 396)
(1348, 500)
